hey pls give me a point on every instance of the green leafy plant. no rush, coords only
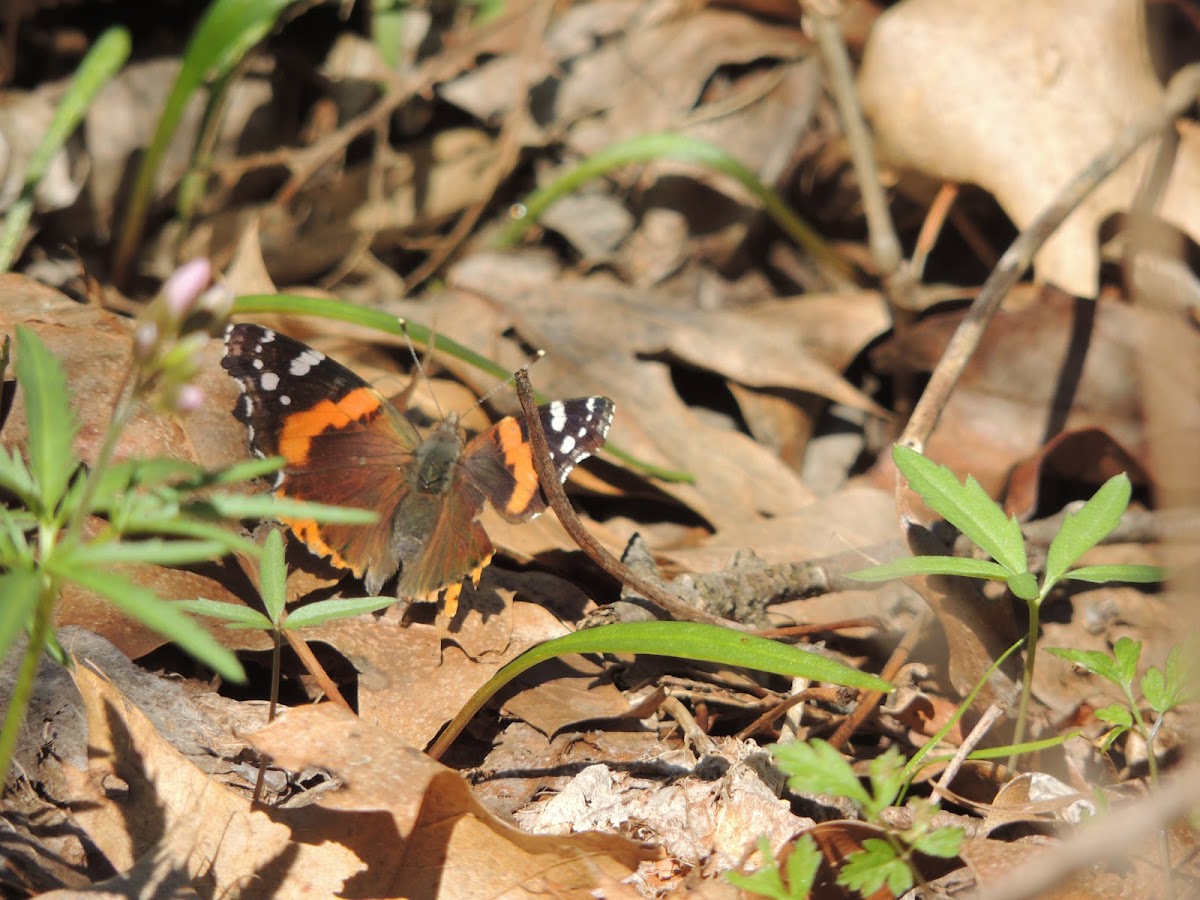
(968, 508)
(64, 522)
(816, 767)
(795, 882)
(1162, 690)
(275, 618)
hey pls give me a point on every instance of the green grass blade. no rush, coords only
(965, 506)
(147, 607)
(294, 304)
(228, 31)
(51, 421)
(327, 610)
(1084, 529)
(19, 592)
(666, 145)
(103, 61)
(683, 640)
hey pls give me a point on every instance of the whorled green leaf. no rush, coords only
(268, 506)
(1130, 574)
(232, 614)
(145, 606)
(50, 420)
(1084, 529)
(19, 590)
(933, 565)
(272, 576)
(192, 528)
(801, 864)
(682, 640)
(154, 552)
(1024, 586)
(323, 611)
(965, 506)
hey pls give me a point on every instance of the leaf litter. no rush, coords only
(734, 358)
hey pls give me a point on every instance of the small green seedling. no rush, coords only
(816, 767)
(800, 869)
(1163, 690)
(969, 509)
(272, 589)
(276, 620)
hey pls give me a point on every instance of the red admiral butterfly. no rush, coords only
(345, 444)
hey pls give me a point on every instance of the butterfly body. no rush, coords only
(345, 444)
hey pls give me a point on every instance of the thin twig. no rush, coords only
(982, 727)
(557, 497)
(1180, 94)
(868, 700)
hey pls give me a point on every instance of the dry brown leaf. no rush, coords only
(410, 685)
(140, 797)
(431, 837)
(1048, 364)
(1018, 98)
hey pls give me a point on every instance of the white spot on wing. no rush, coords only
(304, 362)
(567, 445)
(558, 416)
(258, 364)
(269, 381)
(285, 400)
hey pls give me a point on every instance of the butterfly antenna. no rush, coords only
(422, 375)
(497, 388)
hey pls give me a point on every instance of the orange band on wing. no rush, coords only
(518, 457)
(300, 427)
(308, 531)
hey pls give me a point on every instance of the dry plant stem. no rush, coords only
(986, 721)
(935, 220)
(314, 668)
(553, 489)
(779, 709)
(1180, 94)
(869, 700)
(1109, 838)
(700, 743)
(899, 282)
